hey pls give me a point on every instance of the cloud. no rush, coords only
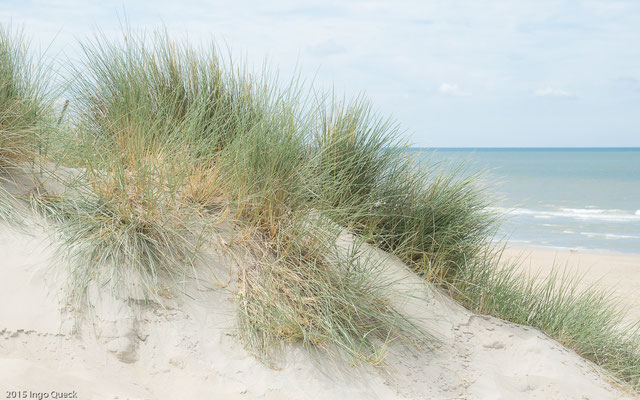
(553, 92)
(453, 90)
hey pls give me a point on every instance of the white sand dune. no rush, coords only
(187, 348)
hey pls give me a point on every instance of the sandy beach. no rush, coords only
(614, 272)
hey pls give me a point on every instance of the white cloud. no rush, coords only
(553, 92)
(453, 90)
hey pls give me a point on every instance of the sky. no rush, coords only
(452, 73)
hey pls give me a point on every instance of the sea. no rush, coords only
(564, 198)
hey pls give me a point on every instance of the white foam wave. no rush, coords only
(612, 215)
(608, 235)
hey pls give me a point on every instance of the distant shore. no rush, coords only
(615, 272)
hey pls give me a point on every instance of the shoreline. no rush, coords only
(512, 245)
(570, 251)
(617, 273)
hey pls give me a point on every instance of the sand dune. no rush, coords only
(187, 347)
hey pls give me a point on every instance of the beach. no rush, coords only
(191, 228)
(617, 273)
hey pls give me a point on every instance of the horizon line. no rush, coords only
(524, 148)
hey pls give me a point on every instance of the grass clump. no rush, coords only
(303, 286)
(311, 291)
(136, 209)
(25, 113)
(440, 224)
(25, 101)
(166, 141)
(433, 220)
(436, 223)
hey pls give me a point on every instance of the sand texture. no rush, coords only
(187, 348)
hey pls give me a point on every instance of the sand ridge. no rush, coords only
(188, 347)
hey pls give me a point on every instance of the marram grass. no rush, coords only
(25, 114)
(140, 208)
(24, 99)
(309, 290)
(168, 140)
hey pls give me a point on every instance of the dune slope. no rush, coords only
(187, 347)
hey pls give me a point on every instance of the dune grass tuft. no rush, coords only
(24, 99)
(25, 113)
(135, 211)
(433, 220)
(311, 291)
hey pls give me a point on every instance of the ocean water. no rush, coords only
(560, 198)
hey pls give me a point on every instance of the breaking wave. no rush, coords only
(611, 215)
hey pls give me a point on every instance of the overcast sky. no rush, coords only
(453, 73)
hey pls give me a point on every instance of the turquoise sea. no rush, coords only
(579, 198)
